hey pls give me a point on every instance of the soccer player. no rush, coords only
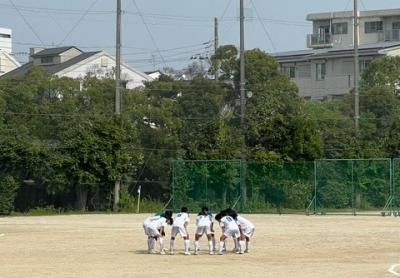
(229, 228)
(204, 226)
(180, 227)
(246, 227)
(154, 229)
(246, 230)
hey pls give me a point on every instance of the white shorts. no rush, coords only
(203, 230)
(151, 231)
(248, 232)
(233, 233)
(178, 230)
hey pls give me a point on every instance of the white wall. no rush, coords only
(5, 43)
(102, 68)
(7, 63)
(338, 80)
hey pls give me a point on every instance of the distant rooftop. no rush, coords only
(347, 14)
(54, 51)
(310, 54)
(50, 69)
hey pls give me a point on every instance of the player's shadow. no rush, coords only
(139, 252)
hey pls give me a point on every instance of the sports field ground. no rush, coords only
(283, 246)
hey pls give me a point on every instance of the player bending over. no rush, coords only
(154, 229)
(246, 227)
(229, 228)
(204, 226)
(180, 226)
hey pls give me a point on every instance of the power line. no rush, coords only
(54, 10)
(263, 26)
(79, 21)
(26, 21)
(150, 34)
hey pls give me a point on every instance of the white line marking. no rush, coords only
(392, 268)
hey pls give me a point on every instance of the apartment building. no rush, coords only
(326, 69)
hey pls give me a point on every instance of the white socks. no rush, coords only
(196, 246)
(210, 246)
(161, 243)
(171, 245)
(242, 246)
(187, 245)
(221, 246)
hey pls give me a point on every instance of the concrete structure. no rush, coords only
(326, 69)
(6, 40)
(72, 62)
(7, 62)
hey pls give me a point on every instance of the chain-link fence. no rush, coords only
(321, 186)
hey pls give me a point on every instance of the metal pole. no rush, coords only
(356, 68)
(216, 43)
(118, 61)
(242, 93)
(117, 184)
(353, 199)
(315, 187)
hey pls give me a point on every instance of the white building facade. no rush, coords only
(326, 70)
(74, 63)
(7, 62)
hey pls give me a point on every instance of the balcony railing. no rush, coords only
(319, 40)
(390, 35)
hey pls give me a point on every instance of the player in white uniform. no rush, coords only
(154, 229)
(180, 227)
(229, 228)
(204, 226)
(246, 230)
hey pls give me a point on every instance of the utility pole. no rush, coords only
(356, 68)
(117, 184)
(242, 76)
(242, 103)
(216, 43)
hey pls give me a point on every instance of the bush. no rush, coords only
(127, 202)
(336, 195)
(8, 192)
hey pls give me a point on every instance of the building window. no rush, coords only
(339, 28)
(104, 62)
(321, 71)
(364, 65)
(290, 71)
(46, 60)
(373, 27)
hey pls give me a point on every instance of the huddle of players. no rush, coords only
(232, 225)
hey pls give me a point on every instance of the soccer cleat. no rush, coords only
(235, 250)
(246, 251)
(162, 252)
(187, 253)
(196, 252)
(171, 252)
(211, 253)
(220, 253)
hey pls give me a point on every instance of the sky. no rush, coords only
(160, 33)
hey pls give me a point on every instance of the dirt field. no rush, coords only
(283, 246)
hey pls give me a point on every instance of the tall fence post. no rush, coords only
(353, 195)
(173, 183)
(315, 187)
